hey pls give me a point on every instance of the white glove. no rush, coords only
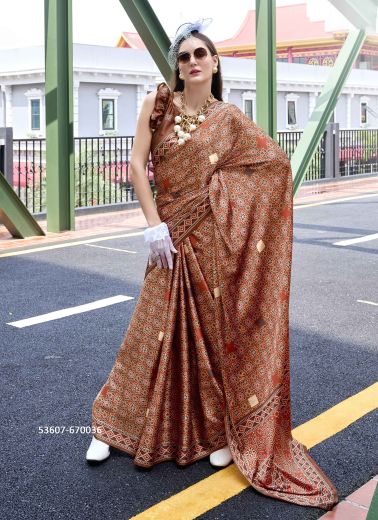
(160, 245)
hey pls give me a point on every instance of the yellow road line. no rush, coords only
(69, 244)
(224, 484)
(338, 417)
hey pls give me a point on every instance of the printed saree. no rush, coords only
(205, 359)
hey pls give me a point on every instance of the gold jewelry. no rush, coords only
(180, 76)
(215, 69)
(186, 123)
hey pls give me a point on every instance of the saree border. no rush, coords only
(164, 452)
(186, 224)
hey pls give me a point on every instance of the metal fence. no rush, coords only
(358, 151)
(102, 165)
(102, 171)
(316, 170)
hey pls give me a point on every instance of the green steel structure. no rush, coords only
(59, 98)
(266, 85)
(59, 116)
(324, 107)
(14, 214)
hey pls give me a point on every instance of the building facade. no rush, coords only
(110, 84)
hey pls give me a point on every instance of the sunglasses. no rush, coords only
(199, 54)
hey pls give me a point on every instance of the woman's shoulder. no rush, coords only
(162, 91)
(237, 115)
(233, 109)
(158, 103)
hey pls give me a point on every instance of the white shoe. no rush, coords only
(97, 451)
(221, 457)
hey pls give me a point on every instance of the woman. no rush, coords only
(204, 365)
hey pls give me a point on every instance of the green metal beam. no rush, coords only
(60, 177)
(151, 31)
(363, 15)
(324, 107)
(14, 214)
(266, 86)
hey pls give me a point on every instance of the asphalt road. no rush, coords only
(52, 371)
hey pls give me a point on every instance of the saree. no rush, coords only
(205, 359)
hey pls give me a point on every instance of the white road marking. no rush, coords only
(69, 244)
(350, 241)
(112, 248)
(369, 303)
(138, 233)
(69, 311)
(333, 201)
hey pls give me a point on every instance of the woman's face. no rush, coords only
(198, 61)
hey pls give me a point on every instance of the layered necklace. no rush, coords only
(186, 123)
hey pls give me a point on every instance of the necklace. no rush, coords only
(186, 123)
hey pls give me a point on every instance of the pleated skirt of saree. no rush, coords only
(163, 398)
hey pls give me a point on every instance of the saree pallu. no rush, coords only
(205, 359)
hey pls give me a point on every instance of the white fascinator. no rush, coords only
(185, 31)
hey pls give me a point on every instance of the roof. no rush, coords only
(131, 40)
(292, 27)
(291, 24)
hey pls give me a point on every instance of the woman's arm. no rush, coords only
(139, 158)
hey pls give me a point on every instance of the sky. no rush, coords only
(101, 22)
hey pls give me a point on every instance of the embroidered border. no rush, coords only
(186, 224)
(146, 457)
(327, 497)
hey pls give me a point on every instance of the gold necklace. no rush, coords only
(186, 123)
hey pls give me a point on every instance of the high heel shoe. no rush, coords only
(98, 451)
(221, 457)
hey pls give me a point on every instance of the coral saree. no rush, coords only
(205, 359)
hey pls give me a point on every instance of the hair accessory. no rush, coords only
(185, 31)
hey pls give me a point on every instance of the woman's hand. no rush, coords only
(161, 246)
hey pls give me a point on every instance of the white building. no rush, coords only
(110, 84)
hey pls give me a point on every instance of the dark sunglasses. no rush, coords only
(199, 54)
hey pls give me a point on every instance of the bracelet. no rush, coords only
(156, 232)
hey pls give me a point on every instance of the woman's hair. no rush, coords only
(177, 84)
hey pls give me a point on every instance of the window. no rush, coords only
(364, 111)
(35, 105)
(108, 100)
(36, 113)
(291, 110)
(299, 59)
(248, 108)
(291, 115)
(108, 114)
(249, 104)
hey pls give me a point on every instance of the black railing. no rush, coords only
(102, 165)
(29, 172)
(358, 151)
(288, 142)
(102, 170)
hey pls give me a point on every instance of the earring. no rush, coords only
(215, 69)
(180, 76)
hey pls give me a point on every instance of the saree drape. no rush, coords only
(205, 359)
